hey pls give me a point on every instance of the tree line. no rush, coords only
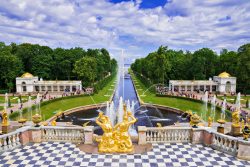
(89, 65)
(166, 64)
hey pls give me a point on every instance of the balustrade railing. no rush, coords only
(168, 134)
(66, 134)
(225, 143)
(10, 140)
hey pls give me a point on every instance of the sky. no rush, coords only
(136, 26)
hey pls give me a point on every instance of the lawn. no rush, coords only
(231, 99)
(50, 109)
(182, 104)
(14, 99)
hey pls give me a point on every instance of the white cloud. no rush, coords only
(181, 24)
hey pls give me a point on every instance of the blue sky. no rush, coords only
(137, 26)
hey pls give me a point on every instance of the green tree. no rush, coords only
(85, 68)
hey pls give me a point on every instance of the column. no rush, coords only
(192, 88)
(52, 88)
(185, 88)
(179, 88)
(172, 87)
(40, 88)
(58, 88)
(71, 88)
(211, 88)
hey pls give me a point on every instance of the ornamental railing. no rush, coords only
(225, 143)
(65, 134)
(168, 134)
(11, 140)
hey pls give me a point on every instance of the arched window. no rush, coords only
(228, 87)
(24, 87)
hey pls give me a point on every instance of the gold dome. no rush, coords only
(224, 75)
(27, 75)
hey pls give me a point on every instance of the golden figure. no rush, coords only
(235, 119)
(246, 132)
(5, 118)
(122, 137)
(117, 139)
(210, 122)
(106, 142)
(53, 123)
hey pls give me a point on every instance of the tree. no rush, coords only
(85, 68)
(243, 65)
(10, 68)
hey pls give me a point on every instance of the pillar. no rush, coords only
(71, 88)
(185, 88)
(58, 88)
(192, 88)
(179, 88)
(211, 88)
(40, 88)
(52, 88)
(244, 150)
(142, 135)
(88, 134)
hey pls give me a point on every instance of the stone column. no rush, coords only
(244, 150)
(58, 88)
(142, 135)
(192, 88)
(179, 86)
(71, 88)
(211, 88)
(40, 88)
(35, 135)
(197, 135)
(172, 88)
(185, 88)
(52, 88)
(207, 138)
(88, 134)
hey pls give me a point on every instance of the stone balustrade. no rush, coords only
(225, 143)
(69, 134)
(168, 134)
(11, 140)
(206, 136)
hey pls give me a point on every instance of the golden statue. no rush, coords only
(106, 142)
(5, 118)
(235, 119)
(210, 122)
(195, 119)
(115, 140)
(53, 123)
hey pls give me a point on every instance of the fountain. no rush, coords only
(205, 100)
(213, 107)
(222, 121)
(37, 117)
(21, 119)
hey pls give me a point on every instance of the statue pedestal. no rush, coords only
(220, 129)
(235, 130)
(5, 129)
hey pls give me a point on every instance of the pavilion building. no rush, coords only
(28, 83)
(223, 83)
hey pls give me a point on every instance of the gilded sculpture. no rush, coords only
(235, 119)
(117, 139)
(5, 118)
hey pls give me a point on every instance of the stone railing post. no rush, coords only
(88, 134)
(244, 150)
(207, 137)
(197, 135)
(142, 135)
(35, 134)
(24, 135)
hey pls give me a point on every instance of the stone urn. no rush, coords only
(220, 128)
(22, 121)
(195, 119)
(36, 119)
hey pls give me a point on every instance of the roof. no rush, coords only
(27, 75)
(192, 82)
(224, 75)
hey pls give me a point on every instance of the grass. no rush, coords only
(50, 109)
(230, 99)
(14, 99)
(181, 104)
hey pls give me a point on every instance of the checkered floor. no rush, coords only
(66, 154)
